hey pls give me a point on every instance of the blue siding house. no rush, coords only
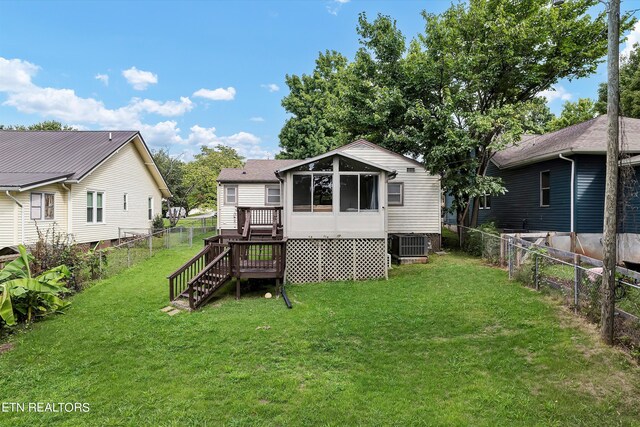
(556, 181)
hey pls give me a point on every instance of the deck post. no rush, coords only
(237, 287)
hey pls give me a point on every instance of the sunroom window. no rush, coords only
(313, 193)
(358, 192)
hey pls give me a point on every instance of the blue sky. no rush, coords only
(186, 73)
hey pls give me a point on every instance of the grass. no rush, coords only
(192, 222)
(448, 343)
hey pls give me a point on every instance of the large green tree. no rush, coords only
(573, 113)
(629, 86)
(313, 102)
(466, 87)
(173, 169)
(201, 174)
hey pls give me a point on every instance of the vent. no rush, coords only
(411, 170)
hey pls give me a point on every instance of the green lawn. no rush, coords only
(448, 343)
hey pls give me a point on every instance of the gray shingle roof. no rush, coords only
(31, 157)
(259, 170)
(587, 137)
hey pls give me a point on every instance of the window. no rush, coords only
(395, 194)
(95, 206)
(322, 165)
(348, 165)
(545, 188)
(230, 194)
(42, 206)
(484, 201)
(150, 207)
(313, 193)
(358, 192)
(125, 202)
(272, 195)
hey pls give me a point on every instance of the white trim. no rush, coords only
(573, 182)
(542, 205)
(94, 212)
(334, 153)
(42, 184)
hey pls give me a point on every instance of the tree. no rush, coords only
(629, 86)
(201, 174)
(172, 169)
(313, 102)
(45, 125)
(573, 113)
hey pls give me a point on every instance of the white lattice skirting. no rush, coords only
(321, 260)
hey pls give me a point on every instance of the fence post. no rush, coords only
(535, 273)
(509, 250)
(482, 243)
(191, 237)
(99, 263)
(128, 255)
(150, 245)
(576, 282)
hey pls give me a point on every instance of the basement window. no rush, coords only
(545, 188)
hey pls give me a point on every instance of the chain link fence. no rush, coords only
(137, 245)
(575, 279)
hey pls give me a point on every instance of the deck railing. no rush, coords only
(264, 218)
(258, 259)
(210, 279)
(179, 279)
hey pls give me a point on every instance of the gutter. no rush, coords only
(21, 215)
(573, 181)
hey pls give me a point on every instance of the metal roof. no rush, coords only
(588, 137)
(255, 170)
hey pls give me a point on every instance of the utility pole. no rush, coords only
(609, 237)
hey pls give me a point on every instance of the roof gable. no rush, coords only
(334, 153)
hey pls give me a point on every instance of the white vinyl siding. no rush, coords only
(249, 194)
(124, 172)
(420, 212)
(10, 216)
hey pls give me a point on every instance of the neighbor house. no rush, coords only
(340, 207)
(85, 184)
(556, 182)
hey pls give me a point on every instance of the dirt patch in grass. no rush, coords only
(6, 347)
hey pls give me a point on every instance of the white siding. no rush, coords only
(11, 231)
(421, 210)
(249, 195)
(124, 172)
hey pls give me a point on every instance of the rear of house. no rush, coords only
(338, 209)
(101, 182)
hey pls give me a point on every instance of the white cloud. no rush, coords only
(219, 94)
(632, 39)
(16, 74)
(104, 78)
(334, 6)
(89, 113)
(257, 119)
(271, 87)
(139, 79)
(555, 93)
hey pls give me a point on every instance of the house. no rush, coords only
(86, 184)
(556, 182)
(325, 218)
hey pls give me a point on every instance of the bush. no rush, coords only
(53, 249)
(158, 223)
(474, 243)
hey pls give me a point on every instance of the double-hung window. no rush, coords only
(272, 195)
(150, 208)
(231, 195)
(95, 207)
(125, 202)
(42, 206)
(545, 189)
(395, 194)
(485, 201)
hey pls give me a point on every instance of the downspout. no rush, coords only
(69, 208)
(21, 215)
(573, 177)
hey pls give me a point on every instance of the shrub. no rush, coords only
(475, 244)
(158, 223)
